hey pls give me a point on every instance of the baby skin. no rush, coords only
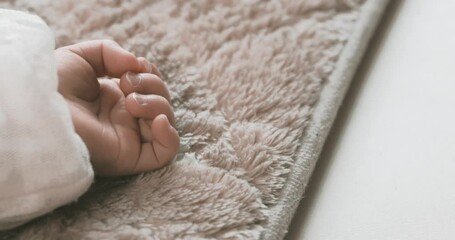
(126, 121)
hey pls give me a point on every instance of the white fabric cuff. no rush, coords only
(43, 162)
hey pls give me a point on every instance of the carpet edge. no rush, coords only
(324, 115)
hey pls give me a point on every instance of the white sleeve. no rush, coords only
(43, 162)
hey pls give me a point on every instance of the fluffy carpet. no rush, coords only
(255, 86)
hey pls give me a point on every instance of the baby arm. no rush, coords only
(127, 121)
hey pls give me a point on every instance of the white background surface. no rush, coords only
(388, 168)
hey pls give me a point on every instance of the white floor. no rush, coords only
(388, 169)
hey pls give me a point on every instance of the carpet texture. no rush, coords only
(255, 86)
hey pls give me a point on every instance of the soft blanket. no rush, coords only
(255, 86)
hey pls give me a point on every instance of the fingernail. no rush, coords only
(133, 78)
(147, 65)
(169, 125)
(140, 99)
(173, 129)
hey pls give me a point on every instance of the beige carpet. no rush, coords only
(255, 86)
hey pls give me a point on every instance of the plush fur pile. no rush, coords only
(244, 77)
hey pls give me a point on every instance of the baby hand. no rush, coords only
(126, 122)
